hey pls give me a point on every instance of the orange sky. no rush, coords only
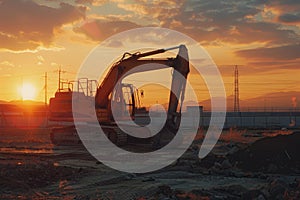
(38, 36)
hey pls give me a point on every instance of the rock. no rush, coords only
(295, 183)
(216, 168)
(236, 190)
(233, 150)
(226, 164)
(130, 176)
(148, 179)
(261, 197)
(238, 173)
(277, 189)
(265, 193)
(217, 165)
(251, 194)
(199, 194)
(165, 190)
(272, 168)
(194, 148)
(263, 176)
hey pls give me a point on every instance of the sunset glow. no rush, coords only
(27, 91)
(262, 37)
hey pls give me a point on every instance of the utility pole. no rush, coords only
(46, 98)
(59, 78)
(236, 90)
(46, 88)
(59, 72)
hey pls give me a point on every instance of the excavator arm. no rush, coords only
(181, 71)
(180, 64)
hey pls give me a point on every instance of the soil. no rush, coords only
(279, 154)
(262, 168)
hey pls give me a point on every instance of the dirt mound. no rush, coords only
(28, 178)
(279, 154)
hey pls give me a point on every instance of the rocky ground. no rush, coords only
(243, 165)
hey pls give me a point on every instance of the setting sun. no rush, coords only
(27, 91)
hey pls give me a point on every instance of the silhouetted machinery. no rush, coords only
(123, 98)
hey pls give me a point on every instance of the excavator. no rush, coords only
(123, 98)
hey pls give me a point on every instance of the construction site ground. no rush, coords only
(245, 164)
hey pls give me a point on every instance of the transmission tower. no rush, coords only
(236, 90)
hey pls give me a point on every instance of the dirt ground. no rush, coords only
(243, 165)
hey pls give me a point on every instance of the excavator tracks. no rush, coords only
(62, 136)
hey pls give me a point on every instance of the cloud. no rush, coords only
(7, 64)
(287, 11)
(284, 6)
(113, 43)
(53, 64)
(291, 64)
(208, 22)
(289, 18)
(288, 52)
(92, 2)
(40, 59)
(155, 8)
(272, 67)
(28, 25)
(235, 23)
(218, 21)
(100, 30)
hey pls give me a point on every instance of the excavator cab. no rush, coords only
(126, 99)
